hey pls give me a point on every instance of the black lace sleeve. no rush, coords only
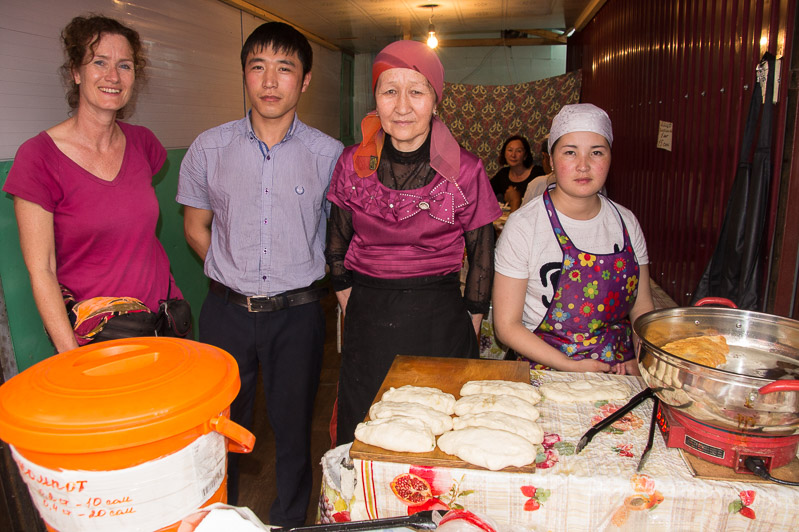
(339, 234)
(480, 253)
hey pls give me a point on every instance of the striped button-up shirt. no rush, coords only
(270, 212)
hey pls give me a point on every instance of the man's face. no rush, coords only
(274, 82)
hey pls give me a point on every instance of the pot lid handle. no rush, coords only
(780, 386)
(723, 301)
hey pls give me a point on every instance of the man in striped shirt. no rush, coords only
(254, 191)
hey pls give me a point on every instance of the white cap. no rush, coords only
(580, 117)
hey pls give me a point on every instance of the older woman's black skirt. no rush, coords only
(421, 316)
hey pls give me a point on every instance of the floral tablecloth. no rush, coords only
(599, 489)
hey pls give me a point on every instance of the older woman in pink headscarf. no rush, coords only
(406, 202)
(572, 266)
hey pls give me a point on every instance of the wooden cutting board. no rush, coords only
(448, 375)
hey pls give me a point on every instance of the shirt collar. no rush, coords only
(254, 138)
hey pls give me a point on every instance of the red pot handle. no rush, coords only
(780, 386)
(723, 301)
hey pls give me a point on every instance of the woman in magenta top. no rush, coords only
(83, 193)
(406, 201)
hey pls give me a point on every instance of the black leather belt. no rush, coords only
(292, 298)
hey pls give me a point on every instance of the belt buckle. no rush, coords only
(266, 304)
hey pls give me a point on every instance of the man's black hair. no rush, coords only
(281, 38)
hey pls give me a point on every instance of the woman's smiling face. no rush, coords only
(106, 77)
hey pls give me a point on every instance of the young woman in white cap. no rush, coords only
(572, 269)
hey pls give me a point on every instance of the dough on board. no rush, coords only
(529, 430)
(432, 397)
(522, 390)
(483, 402)
(437, 422)
(489, 448)
(401, 434)
(577, 391)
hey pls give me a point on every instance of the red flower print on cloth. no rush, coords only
(742, 505)
(586, 309)
(536, 497)
(624, 449)
(629, 422)
(554, 447)
(619, 264)
(612, 301)
(644, 498)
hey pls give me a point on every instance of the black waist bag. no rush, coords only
(173, 318)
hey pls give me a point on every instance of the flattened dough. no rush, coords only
(489, 448)
(401, 434)
(432, 397)
(437, 422)
(584, 390)
(522, 390)
(706, 350)
(529, 430)
(483, 402)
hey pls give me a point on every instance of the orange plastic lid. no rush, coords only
(116, 394)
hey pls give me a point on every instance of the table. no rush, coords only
(598, 489)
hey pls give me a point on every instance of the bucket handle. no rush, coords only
(240, 440)
(723, 301)
(780, 386)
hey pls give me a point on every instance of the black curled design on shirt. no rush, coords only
(550, 274)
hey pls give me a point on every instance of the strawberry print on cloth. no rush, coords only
(742, 505)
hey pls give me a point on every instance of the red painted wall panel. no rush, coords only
(691, 63)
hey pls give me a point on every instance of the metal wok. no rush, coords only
(755, 392)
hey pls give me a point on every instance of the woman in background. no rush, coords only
(406, 202)
(84, 199)
(510, 183)
(572, 266)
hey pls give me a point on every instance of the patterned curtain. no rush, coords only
(482, 116)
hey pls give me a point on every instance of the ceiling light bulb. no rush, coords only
(432, 40)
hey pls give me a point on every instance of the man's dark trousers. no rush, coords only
(288, 346)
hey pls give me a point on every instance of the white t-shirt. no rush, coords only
(528, 249)
(537, 186)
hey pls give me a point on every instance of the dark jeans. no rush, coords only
(287, 345)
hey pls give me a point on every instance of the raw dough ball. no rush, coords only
(583, 390)
(522, 390)
(483, 402)
(432, 397)
(529, 430)
(400, 434)
(489, 448)
(437, 422)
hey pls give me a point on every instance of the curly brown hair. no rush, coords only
(80, 39)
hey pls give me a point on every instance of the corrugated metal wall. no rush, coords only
(691, 63)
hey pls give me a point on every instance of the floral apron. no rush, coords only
(593, 296)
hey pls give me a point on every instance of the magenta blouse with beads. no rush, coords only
(409, 233)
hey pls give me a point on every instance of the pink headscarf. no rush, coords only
(414, 55)
(444, 149)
